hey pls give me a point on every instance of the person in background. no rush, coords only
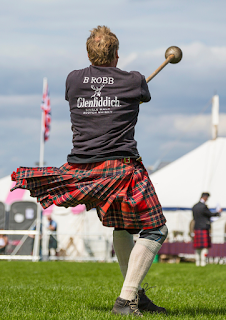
(52, 226)
(3, 243)
(202, 241)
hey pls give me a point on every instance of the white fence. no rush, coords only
(73, 247)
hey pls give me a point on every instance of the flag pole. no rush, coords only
(36, 248)
(42, 141)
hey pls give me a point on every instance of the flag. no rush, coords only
(45, 106)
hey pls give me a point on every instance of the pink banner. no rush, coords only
(78, 209)
(16, 195)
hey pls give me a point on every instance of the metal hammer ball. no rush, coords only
(173, 55)
(176, 52)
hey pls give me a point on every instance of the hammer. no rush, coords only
(173, 55)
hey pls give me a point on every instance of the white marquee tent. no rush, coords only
(179, 186)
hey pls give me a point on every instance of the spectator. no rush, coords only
(3, 243)
(52, 226)
(202, 241)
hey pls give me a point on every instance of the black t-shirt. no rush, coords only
(104, 106)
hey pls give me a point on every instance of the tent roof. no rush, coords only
(181, 183)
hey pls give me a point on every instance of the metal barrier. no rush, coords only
(81, 247)
(74, 247)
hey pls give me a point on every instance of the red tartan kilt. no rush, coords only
(121, 192)
(201, 239)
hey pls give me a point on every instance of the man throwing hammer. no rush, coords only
(104, 169)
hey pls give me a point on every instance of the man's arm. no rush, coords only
(53, 226)
(210, 214)
(145, 94)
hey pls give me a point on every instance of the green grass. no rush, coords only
(70, 290)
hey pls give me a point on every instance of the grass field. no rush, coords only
(70, 290)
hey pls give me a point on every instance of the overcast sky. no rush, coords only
(46, 38)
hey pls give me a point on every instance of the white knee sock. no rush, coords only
(198, 257)
(140, 261)
(204, 253)
(123, 244)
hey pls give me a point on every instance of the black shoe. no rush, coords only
(145, 304)
(125, 307)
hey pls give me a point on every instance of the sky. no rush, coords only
(47, 38)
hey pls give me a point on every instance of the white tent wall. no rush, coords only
(179, 186)
(80, 236)
(218, 229)
(178, 223)
(5, 185)
(102, 241)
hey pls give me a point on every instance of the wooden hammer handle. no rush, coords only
(170, 57)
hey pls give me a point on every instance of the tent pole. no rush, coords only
(215, 116)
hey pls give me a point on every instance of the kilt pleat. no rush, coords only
(122, 193)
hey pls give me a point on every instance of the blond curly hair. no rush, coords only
(101, 46)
